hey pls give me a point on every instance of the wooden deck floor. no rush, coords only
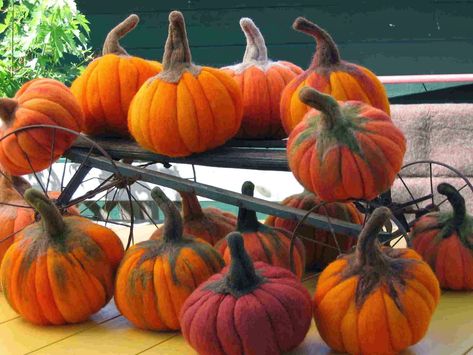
(108, 333)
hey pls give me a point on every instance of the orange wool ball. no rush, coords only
(331, 75)
(261, 82)
(108, 84)
(186, 108)
(38, 102)
(376, 300)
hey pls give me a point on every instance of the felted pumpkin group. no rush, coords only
(331, 75)
(445, 241)
(38, 102)
(264, 243)
(60, 270)
(261, 82)
(157, 276)
(109, 83)
(246, 309)
(376, 300)
(210, 224)
(186, 108)
(345, 150)
(321, 247)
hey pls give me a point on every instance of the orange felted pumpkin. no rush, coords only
(11, 200)
(247, 309)
(157, 276)
(376, 300)
(59, 270)
(186, 108)
(261, 82)
(347, 151)
(109, 83)
(331, 75)
(264, 243)
(209, 224)
(321, 249)
(445, 241)
(39, 101)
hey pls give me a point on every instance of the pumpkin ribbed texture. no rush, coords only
(376, 300)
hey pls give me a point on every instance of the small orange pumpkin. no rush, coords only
(157, 276)
(109, 83)
(59, 270)
(445, 241)
(346, 151)
(264, 243)
(186, 108)
(39, 101)
(376, 300)
(321, 248)
(210, 224)
(331, 75)
(261, 82)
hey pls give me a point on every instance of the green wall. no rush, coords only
(390, 37)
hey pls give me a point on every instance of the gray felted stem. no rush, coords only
(458, 204)
(255, 46)
(327, 53)
(177, 55)
(112, 42)
(53, 222)
(7, 109)
(241, 277)
(368, 250)
(326, 104)
(247, 220)
(190, 205)
(172, 229)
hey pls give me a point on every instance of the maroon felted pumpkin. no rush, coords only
(248, 309)
(322, 248)
(210, 224)
(261, 82)
(445, 241)
(264, 243)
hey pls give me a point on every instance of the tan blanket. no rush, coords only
(439, 132)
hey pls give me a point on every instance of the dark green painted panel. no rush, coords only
(373, 23)
(421, 57)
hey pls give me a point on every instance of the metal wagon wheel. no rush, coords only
(103, 197)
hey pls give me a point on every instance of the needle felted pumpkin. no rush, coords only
(109, 83)
(264, 243)
(247, 309)
(186, 108)
(445, 241)
(59, 270)
(376, 300)
(348, 150)
(210, 224)
(157, 276)
(261, 82)
(39, 101)
(331, 75)
(11, 200)
(321, 247)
